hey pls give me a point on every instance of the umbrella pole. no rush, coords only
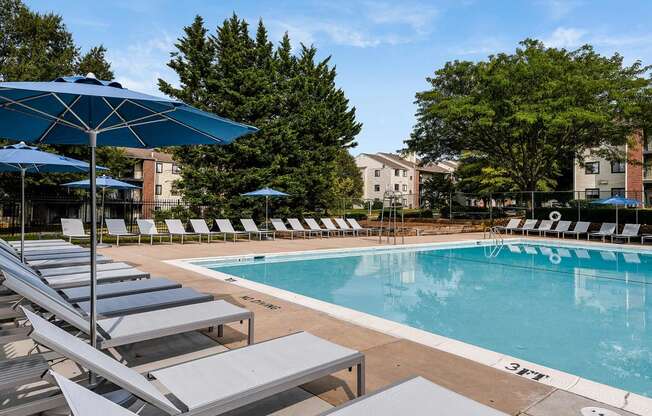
(92, 142)
(102, 218)
(266, 213)
(22, 215)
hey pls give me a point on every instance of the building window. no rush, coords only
(618, 192)
(405, 173)
(404, 188)
(592, 168)
(617, 167)
(377, 173)
(159, 167)
(175, 168)
(396, 187)
(397, 172)
(376, 188)
(159, 190)
(592, 193)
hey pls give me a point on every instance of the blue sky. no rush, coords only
(383, 49)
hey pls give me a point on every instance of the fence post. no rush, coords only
(578, 206)
(491, 206)
(532, 194)
(450, 207)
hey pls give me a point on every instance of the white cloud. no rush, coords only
(565, 37)
(417, 16)
(484, 46)
(558, 9)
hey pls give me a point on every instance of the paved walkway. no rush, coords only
(388, 359)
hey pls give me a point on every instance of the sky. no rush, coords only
(383, 50)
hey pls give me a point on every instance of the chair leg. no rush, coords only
(250, 331)
(361, 378)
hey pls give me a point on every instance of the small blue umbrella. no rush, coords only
(28, 159)
(619, 201)
(266, 192)
(85, 110)
(103, 182)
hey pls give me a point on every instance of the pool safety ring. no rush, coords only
(555, 258)
(555, 216)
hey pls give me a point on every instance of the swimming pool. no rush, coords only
(577, 309)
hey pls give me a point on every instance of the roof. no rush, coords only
(148, 154)
(398, 159)
(432, 169)
(385, 161)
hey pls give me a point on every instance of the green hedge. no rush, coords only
(413, 213)
(595, 214)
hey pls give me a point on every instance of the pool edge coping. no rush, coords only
(612, 396)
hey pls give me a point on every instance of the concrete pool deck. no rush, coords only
(389, 358)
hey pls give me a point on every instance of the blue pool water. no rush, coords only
(577, 310)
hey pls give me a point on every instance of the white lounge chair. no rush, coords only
(331, 227)
(118, 228)
(280, 227)
(73, 228)
(607, 229)
(629, 231)
(215, 384)
(226, 228)
(527, 226)
(175, 227)
(581, 227)
(250, 226)
(314, 226)
(357, 227)
(561, 227)
(297, 226)
(200, 227)
(344, 226)
(148, 228)
(511, 226)
(544, 226)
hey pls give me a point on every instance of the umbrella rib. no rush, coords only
(113, 111)
(124, 121)
(42, 113)
(22, 100)
(71, 110)
(49, 129)
(136, 121)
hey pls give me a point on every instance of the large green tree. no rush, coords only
(524, 113)
(305, 121)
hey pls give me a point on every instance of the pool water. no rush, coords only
(575, 309)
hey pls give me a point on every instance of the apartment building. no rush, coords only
(156, 173)
(600, 178)
(383, 172)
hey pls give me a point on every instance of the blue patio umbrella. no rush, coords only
(619, 201)
(28, 159)
(104, 182)
(266, 192)
(87, 111)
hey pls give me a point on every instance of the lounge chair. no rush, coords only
(581, 227)
(344, 226)
(251, 227)
(16, 243)
(559, 228)
(214, 384)
(175, 227)
(58, 271)
(200, 227)
(357, 227)
(409, 397)
(68, 261)
(37, 253)
(629, 231)
(280, 227)
(527, 226)
(296, 225)
(117, 228)
(226, 228)
(331, 227)
(645, 237)
(148, 228)
(511, 226)
(544, 225)
(31, 288)
(607, 229)
(73, 228)
(416, 396)
(314, 226)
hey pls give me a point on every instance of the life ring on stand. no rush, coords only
(555, 258)
(554, 216)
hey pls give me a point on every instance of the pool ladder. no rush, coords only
(498, 243)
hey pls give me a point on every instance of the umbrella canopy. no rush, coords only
(619, 201)
(29, 159)
(267, 193)
(84, 110)
(103, 182)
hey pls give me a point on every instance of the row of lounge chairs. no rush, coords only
(74, 229)
(562, 229)
(130, 308)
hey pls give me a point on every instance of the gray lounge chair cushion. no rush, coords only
(83, 402)
(57, 271)
(234, 378)
(109, 290)
(69, 261)
(83, 279)
(143, 302)
(82, 353)
(416, 396)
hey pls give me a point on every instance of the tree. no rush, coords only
(437, 189)
(95, 61)
(525, 112)
(305, 121)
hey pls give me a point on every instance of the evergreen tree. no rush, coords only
(305, 121)
(94, 61)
